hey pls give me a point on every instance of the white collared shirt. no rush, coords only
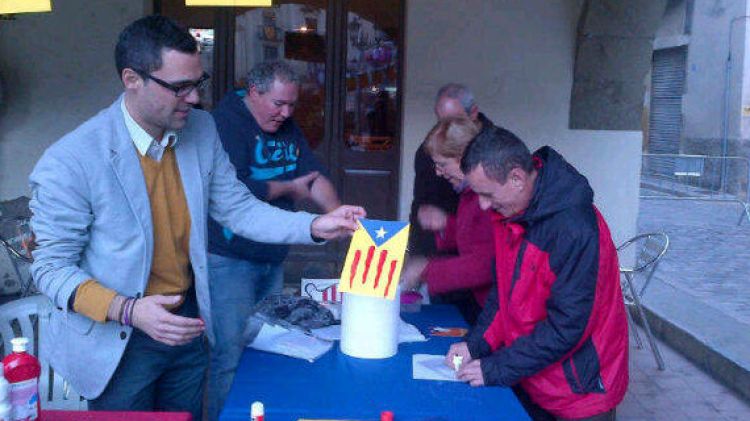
(143, 141)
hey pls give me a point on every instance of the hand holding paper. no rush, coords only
(460, 349)
(430, 367)
(472, 373)
(340, 222)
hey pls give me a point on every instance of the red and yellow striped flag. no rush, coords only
(375, 258)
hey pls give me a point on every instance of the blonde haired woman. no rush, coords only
(464, 240)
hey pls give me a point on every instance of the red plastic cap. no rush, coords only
(386, 416)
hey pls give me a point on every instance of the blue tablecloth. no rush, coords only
(338, 386)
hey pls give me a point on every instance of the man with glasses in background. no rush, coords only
(120, 208)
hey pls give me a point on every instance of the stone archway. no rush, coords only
(613, 56)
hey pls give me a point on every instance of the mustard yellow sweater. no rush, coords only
(170, 269)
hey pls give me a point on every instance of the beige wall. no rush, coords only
(517, 56)
(58, 70)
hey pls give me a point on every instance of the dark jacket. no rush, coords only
(258, 157)
(556, 319)
(431, 189)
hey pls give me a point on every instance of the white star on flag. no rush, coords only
(381, 233)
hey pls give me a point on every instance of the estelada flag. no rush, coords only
(375, 258)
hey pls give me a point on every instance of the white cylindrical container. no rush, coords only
(369, 326)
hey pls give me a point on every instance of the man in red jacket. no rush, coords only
(554, 327)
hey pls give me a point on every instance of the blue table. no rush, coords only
(338, 386)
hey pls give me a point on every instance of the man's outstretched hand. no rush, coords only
(341, 222)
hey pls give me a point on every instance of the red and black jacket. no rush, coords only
(555, 322)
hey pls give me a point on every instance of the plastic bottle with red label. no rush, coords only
(22, 371)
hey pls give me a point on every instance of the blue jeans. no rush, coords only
(155, 376)
(235, 286)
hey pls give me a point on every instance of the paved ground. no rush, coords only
(709, 255)
(682, 392)
(702, 285)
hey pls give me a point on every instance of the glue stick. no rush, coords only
(257, 412)
(457, 360)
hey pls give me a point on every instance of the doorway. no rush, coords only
(348, 53)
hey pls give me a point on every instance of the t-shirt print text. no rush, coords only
(273, 157)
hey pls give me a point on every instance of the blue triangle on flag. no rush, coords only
(382, 231)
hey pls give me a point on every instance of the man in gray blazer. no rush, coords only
(120, 206)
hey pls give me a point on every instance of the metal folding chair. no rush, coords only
(19, 250)
(649, 249)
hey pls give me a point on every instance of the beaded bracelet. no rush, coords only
(126, 312)
(132, 307)
(120, 310)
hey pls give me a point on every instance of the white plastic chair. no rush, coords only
(29, 317)
(649, 249)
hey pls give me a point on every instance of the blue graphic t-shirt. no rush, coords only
(258, 157)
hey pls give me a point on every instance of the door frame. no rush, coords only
(334, 152)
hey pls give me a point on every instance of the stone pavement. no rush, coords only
(709, 255)
(700, 295)
(681, 392)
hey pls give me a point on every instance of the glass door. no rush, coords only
(296, 33)
(348, 53)
(371, 112)
(202, 23)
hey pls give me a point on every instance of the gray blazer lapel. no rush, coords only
(127, 167)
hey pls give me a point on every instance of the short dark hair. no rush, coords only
(263, 74)
(141, 43)
(498, 151)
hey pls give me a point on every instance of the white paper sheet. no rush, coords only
(328, 333)
(292, 343)
(406, 333)
(431, 367)
(409, 333)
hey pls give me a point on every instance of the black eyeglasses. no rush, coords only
(181, 90)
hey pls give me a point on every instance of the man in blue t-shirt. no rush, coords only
(274, 160)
